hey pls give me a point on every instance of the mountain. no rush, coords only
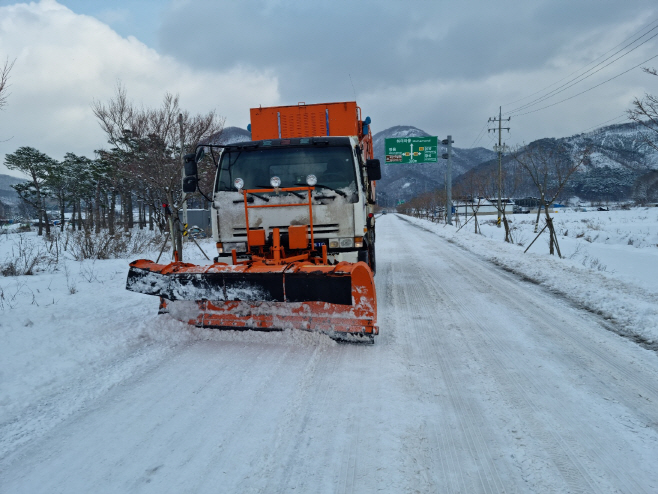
(620, 162)
(8, 195)
(617, 146)
(619, 159)
(404, 181)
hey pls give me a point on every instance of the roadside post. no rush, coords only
(448, 156)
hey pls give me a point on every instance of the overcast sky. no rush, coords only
(442, 66)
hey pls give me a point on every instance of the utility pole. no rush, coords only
(448, 156)
(178, 241)
(499, 148)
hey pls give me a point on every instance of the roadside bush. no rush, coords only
(84, 245)
(28, 256)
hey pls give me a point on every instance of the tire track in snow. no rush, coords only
(569, 465)
(469, 417)
(396, 284)
(576, 461)
(296, 435)
(459, 453)
(597, 366)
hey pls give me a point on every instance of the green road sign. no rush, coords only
(411, 150)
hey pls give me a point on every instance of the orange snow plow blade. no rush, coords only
(339, 300)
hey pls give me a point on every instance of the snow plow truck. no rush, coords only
(292, 218)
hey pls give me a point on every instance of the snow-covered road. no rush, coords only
(478, 382)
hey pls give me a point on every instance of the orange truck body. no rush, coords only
(314, 120)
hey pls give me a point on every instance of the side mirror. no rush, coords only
(189, 184)
(374, 169)
(190, 165)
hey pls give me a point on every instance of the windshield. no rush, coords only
(332, 165)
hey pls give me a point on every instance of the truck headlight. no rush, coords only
(346, 243)
(341, 243)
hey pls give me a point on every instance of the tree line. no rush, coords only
(142, 163)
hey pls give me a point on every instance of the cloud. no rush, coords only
(443, 66)
(65, 61)
(436, 65)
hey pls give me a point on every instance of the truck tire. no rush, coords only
(367, 255)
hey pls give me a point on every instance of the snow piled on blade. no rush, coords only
(197, 287)
(147, 282)
(193, 286)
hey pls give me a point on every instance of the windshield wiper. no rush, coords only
(339, 192)
(287, 191)
(252, 199)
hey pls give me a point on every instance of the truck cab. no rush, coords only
(326, 150)
(342, 197)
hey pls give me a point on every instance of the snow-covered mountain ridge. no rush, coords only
(617, 146)
(619, 161)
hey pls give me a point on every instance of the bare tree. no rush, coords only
(4, 82)
(509, 182)
(645, 112)
(645, 188)
(549, 166)
(471, 191)
(427, 205)
(148, 140)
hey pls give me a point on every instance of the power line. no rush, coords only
(582, 77)
(477, 139)
(590, 63)
(586, 90)
(603, 123)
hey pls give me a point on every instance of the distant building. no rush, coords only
(528, 202)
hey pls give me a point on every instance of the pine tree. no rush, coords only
(39, 168)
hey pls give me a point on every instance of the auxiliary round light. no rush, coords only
(311, 180)
(238, 183)
(275, 182)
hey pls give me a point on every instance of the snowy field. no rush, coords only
(73, 336)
